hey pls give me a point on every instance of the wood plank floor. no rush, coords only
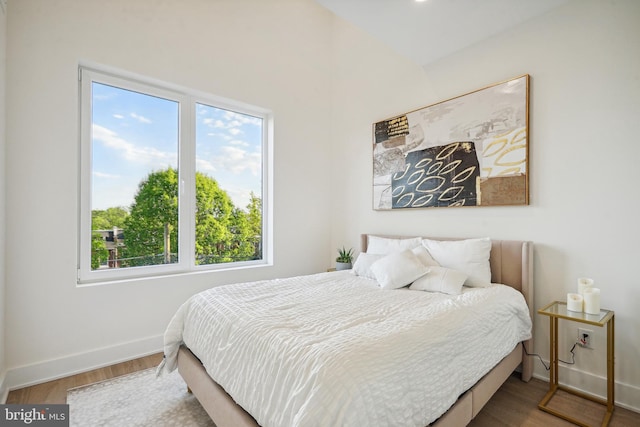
(515, 404)
(56, 391)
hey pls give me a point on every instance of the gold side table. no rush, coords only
(558, 310)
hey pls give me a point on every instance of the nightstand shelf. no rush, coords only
(558, 310)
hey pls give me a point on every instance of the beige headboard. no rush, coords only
(511, 264)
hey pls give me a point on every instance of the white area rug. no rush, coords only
(137, 399)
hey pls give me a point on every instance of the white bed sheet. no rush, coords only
(333, 349)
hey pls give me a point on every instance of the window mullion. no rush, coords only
(186, 159)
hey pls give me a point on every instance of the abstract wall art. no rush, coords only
(471, 150)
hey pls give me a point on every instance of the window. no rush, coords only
(171, 181)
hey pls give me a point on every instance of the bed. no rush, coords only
(510, 265)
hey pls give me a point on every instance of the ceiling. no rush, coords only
(432, 29)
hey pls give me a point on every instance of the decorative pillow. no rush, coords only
(362, 266)
(398, 269)
(386, 245)
(423, 255)
(440, 279)
(469, 256)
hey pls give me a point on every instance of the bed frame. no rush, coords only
(511, 264)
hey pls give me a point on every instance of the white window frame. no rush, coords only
(187, 99)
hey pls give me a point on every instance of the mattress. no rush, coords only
(334, 349)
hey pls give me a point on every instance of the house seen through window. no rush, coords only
(171, 181)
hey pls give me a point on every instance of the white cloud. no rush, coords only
(118, 116)
(235, 131)
(105, 175)
(220, 135)
(204, 165)
(150, 156)
(232, 121)
(140, 118)
(110, 195)
(239, 142)
(240, 196)
(242, 119)
(237, 160)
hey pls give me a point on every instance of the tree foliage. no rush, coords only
(223, 232)
(104, 220)
(99, 252)
(108, 218)
(254, 217)
(154, 210)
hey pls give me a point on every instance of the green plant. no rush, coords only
(345, 255)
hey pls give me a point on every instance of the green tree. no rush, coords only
(99, 252)
(108, 218)
(224, 233)
(104, 220)
(254, 218)
(214, 220)
(151, 229)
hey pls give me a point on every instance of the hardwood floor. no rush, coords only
(515, 404)
(56, 391)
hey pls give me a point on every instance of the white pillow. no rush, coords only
(386, 245)
(440, 279)
(398, 269)
(423, 255)
(362, 266)
(469, 256)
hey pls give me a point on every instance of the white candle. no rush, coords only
(592, 301)
(574, 302)
(583, 284)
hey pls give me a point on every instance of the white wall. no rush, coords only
(3, 40)
(584, 108)
(271, 54)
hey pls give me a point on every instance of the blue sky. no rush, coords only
(134, 134)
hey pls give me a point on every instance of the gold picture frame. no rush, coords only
(471, 150)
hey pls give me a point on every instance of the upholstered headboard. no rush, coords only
(511, 264)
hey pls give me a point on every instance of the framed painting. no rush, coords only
(471, 150)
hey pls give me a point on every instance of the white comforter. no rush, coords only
(333, 349)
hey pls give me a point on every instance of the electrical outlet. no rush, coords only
(585, 338)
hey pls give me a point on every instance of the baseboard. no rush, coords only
(27, 375)
(626, 395)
